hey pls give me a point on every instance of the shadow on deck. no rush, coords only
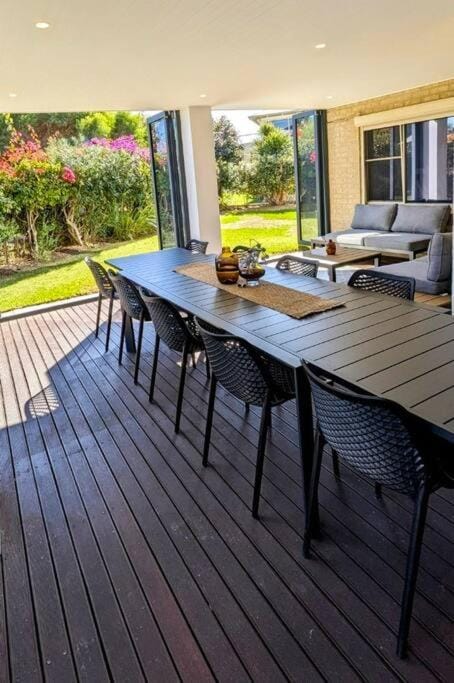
(122, 558)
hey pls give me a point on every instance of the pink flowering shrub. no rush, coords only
(93, 191)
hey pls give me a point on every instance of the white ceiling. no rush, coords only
(155, 54)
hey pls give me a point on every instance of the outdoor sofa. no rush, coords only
(396, 229)
(432, 273)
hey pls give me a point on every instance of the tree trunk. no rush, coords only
(73, 230)
(32, 233)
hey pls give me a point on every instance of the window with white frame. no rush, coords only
(413, 162)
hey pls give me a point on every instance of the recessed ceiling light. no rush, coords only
(320, 46)
(13, 94)
(329, 97)
(42, 25)
(203, 96)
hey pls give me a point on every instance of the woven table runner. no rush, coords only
(289, 301)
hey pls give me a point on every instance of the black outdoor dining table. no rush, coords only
(387, 346)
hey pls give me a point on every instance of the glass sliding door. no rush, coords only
(311, 175)
(168, 179)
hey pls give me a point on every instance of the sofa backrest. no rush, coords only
(428, 219)
(440, 257)
(373, 216)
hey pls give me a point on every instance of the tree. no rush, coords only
(271, 173)
(98, 124)
(44, 125)
(229, 153)
(113, 124)
(130, 123)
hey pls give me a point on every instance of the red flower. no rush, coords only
(68, 175)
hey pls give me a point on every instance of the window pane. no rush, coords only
(430, 160)
(384, 180)
(383, 142)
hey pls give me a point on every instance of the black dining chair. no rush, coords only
(251, 377)
(297, 265)
(106, 291)
(179, 334)
(132, 308)
(196, 246)
(383, 283)
(239, 248)
(380, 440)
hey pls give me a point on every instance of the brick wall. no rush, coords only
(344, 144)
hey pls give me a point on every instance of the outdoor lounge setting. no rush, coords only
(226, 342)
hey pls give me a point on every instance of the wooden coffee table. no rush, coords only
(344, 256)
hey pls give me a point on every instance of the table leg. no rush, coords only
(332, 273)
(129, 336)
(377, 261)
(305, 434)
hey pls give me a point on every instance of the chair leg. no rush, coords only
(411, 572)
(184, 364)
(139, 348)
(336, 468)
(261, 447)
(109, 320)
(122, 336)
(246, 408)
(194, 362)
(98, 314)
(154, 368)
(207, 367)
(209, 422)
(313, 496)
(377, 488)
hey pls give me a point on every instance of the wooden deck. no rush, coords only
(122, 559)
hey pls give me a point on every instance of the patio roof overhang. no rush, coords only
(260, 53)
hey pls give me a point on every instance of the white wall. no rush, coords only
(200, 170)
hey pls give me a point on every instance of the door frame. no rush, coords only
(178, 193)
(321, 170)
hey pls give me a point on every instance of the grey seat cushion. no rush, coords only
(422, 219)
(349, 237)
(373, 216)
(400, 241)
(418, 269)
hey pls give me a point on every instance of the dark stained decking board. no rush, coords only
(123, 559)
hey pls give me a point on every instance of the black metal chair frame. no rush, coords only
(297, 265)
(419, 475)
(273, 386)
(196, 246)
(132, 308)
(179, 334)
(384, 283)
(106, 291)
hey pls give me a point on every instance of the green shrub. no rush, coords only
(271, 173)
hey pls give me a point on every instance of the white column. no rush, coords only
(200, 170)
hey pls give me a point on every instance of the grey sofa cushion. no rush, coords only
(349, 237)
(418, 269)
(440, 257)
(373, 216)
(427, 219)
(400, 241)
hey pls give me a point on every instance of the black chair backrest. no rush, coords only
(101, 276)
(130, 299)
(239, 248)
(196, 246)
(168, 322)
(384, 283)
(297, 265)
(373, 435)
(236, 365)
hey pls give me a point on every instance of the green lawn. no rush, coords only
(275, 229)
(61, 280)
